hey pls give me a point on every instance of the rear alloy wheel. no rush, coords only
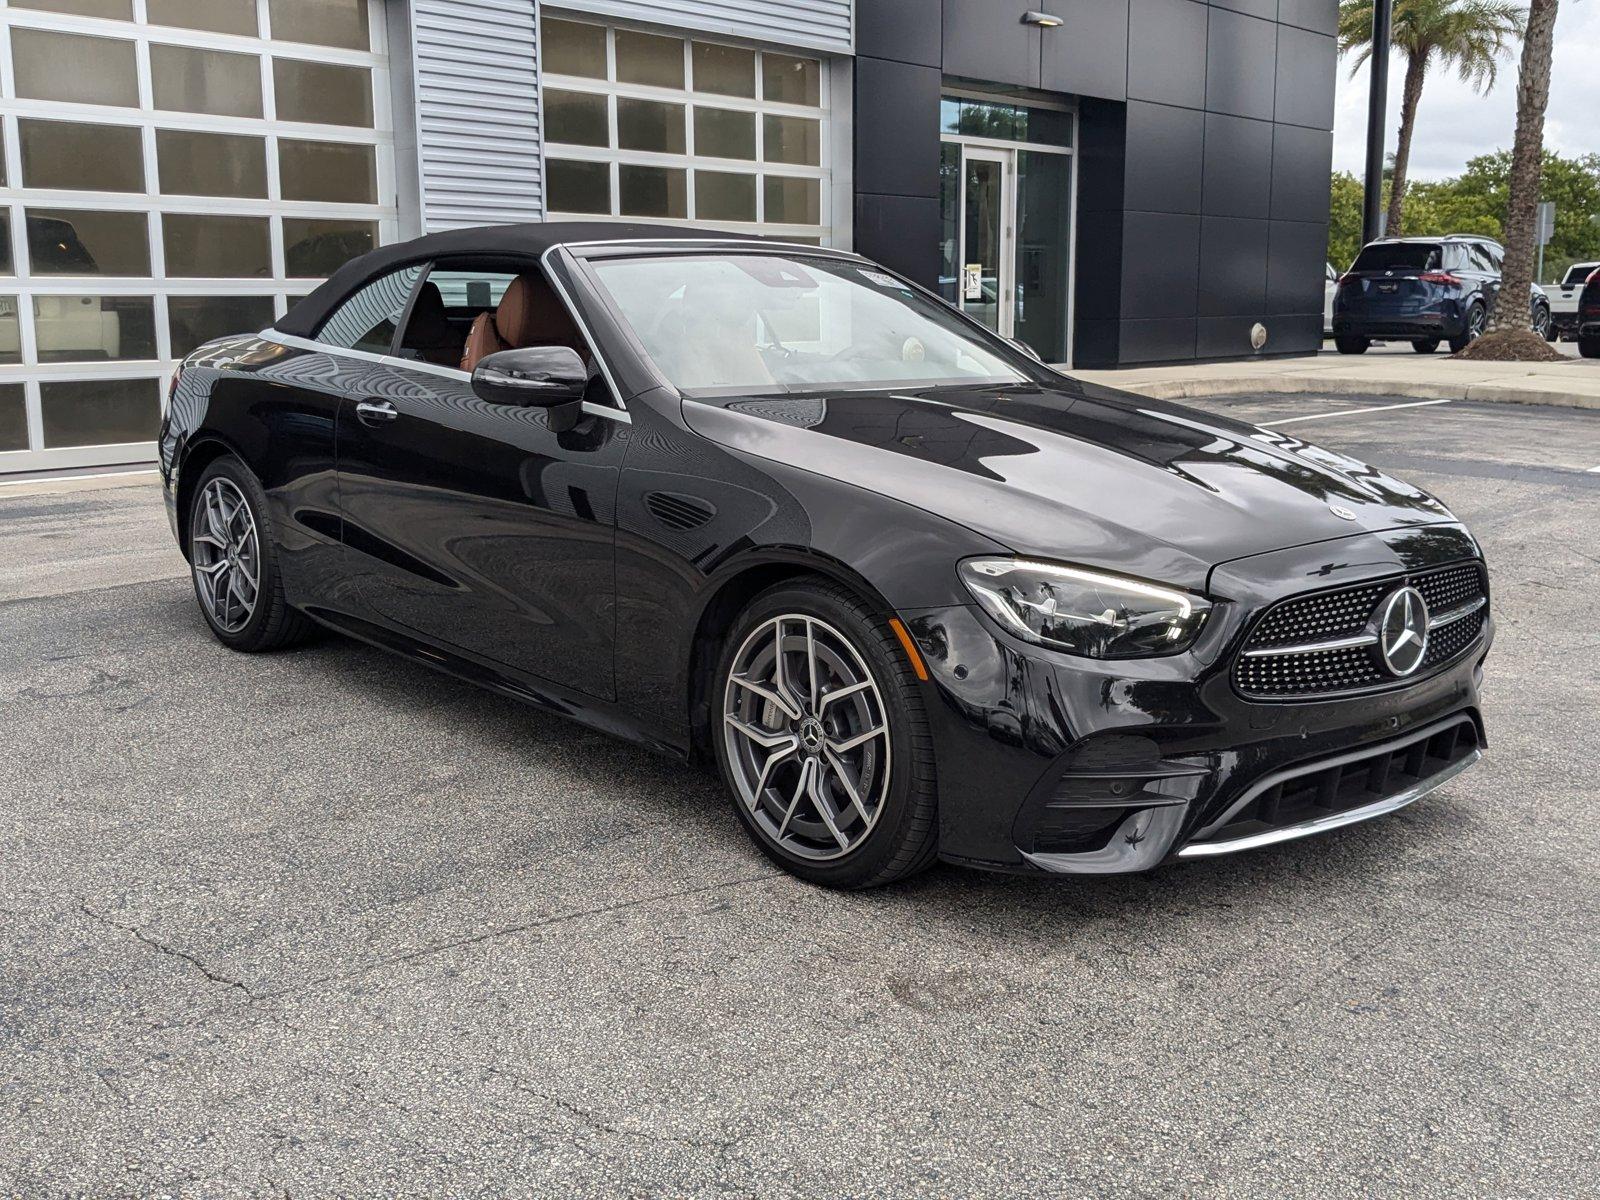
(824, 742)
(1424, 345)
(1352, 345)
(234, 562)
(1542, 324)
(1477, 316)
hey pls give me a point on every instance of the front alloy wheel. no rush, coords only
(806, 736)
(823, 739)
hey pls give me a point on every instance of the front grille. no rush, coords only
(1325, 644)
(1349, 782)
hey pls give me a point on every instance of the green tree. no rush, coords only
(1344, 220)
(1466, 36)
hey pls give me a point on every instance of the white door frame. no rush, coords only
(1005, 269)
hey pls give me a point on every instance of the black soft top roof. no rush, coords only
(527, 241)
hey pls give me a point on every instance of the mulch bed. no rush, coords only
(1519, 346)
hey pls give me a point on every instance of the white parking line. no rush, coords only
(1594, 470)
(1350, 412)
(37, 479)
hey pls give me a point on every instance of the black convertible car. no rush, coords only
(919, 595)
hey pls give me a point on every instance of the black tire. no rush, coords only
(1589, 347)
(272, 623)
(905, 836)
(1352, 345)
(1477, 316)
(1424, 345)
(1543, 325)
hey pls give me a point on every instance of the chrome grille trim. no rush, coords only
(1327, 644)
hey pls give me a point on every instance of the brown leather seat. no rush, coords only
(529, 314)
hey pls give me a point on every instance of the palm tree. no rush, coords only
(1467, 36)
(1527, 164)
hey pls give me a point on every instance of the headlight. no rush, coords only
(1084, 612)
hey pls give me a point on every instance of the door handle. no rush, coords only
(371, 412)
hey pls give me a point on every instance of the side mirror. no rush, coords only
(535, 377)
(1025, 348)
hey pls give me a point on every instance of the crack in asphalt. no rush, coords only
(193, 960)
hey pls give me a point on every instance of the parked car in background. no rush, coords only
(1589, 317)
(1330, 285)
(915, 593)
(1564, 301)
(1424, 290)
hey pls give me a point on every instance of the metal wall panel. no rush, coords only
(811, 24)
(475, 68)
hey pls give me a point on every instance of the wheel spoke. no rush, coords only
(787, 706)
(777, 756)
(842, 773)
(850, 743)
(766, 738)
(811, 660)
(780, 669)
(800, 789)
(824, 809)
(842, 693)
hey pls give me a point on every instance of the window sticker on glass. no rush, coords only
(882, 280)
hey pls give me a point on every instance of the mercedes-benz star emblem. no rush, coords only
(1403, 631)
(1343, 513)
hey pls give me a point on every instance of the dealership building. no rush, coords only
(1112, 181)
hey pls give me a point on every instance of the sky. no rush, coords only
(1454, 123)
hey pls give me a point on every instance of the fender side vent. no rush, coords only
(677, 511)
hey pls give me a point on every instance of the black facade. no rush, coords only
(1205, 148)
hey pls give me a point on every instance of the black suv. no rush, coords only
(1589, 317)
(1424, 290)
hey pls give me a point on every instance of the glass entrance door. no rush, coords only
(987, 232)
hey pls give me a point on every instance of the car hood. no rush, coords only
(1075, 471)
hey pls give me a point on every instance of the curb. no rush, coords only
(1313, 384)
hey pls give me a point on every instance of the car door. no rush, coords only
(477, 526)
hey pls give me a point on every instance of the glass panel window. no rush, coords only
(70, 241)
(211, 164)
(13, 402)
(652, 191)
(314, 249)
(334, 172)
(724, 196)
(184, 79)
(109, 10)
(793, 201)
(792, 140)
(10, 345)
(791, 80)
(576, 118)
(724, 133)
(649, 125)
(322, 92)
(214, 16)
(571, 48)
(649, 58)
(215, 247)
(73, 69)
(99, 412)
(95, 158)
(578, 187)
(94, 328)
(724, 70)
(322, 22)
(7, 264)
(368, 320)
(192, 321)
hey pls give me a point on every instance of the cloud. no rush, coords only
(1454, 123)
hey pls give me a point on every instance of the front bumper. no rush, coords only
(1049, 763)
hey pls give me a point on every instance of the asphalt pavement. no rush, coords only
(326, 923)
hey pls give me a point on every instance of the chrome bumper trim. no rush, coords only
(1353, 816)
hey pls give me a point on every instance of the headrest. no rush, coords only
(530, 312)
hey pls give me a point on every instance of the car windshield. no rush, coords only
(1398, 256)
(751, 323)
